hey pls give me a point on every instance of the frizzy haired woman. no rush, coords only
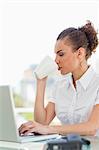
(75, 97)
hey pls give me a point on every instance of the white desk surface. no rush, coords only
(39, 145)
(21, 146)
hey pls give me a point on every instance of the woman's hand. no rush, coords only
(30, 127)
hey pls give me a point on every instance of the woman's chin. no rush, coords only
(63, 72)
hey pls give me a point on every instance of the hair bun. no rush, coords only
(91, 35)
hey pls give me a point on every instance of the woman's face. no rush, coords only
(66, 59)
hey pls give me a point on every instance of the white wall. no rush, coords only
(29, 29)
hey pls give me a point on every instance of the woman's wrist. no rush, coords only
(41, 83)
(41, 80)
(52, 130)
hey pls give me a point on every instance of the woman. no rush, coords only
(75, 98)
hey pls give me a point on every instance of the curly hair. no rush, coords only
(85, 36)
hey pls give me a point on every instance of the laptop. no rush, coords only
(8, 126)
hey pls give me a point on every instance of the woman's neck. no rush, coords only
(79, 72)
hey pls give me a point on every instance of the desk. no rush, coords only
(21, 146)
(40, 145)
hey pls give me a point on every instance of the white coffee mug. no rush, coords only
(46, 67)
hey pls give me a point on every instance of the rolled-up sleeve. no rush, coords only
(52, 93)
(97, 97)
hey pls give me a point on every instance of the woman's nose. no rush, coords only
(57, 60)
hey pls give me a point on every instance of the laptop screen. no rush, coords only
(8, 129)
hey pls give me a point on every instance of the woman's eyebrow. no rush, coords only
(59, 51)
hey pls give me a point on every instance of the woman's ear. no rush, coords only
(81, 53)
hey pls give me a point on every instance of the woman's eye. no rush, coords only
(61, 54)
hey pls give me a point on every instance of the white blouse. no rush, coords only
(75, 105)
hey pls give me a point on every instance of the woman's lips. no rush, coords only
(59, 68)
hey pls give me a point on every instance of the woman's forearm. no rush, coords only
(39, 110)
(82, 128)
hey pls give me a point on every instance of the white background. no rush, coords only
(29, 28)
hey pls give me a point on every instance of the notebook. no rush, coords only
(8, 127)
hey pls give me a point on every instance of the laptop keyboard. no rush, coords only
(30, 134)
(37, 137)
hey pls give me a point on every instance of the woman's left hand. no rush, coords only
(30, 127)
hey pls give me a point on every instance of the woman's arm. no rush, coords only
(87, 128)
(41, 114)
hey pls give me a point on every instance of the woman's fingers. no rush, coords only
(25, 127)
(30, 127)
(25, 124)
(30, 131)
(22, 126)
